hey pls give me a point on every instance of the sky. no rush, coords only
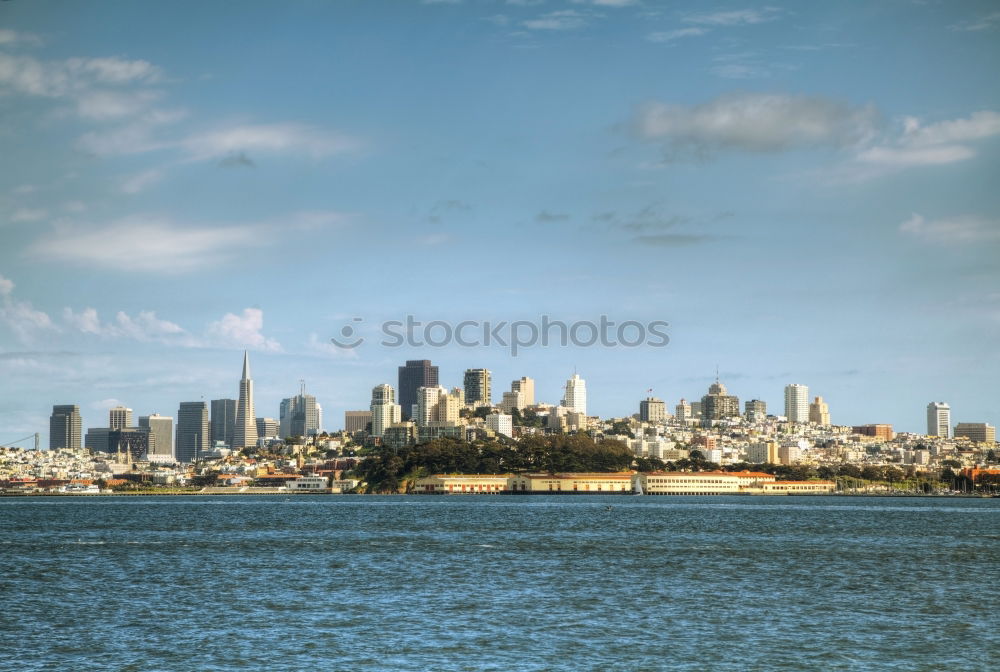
(805, 192)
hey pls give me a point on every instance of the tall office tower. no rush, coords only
(356, 421)
(755, 410)
(718, 404)
(161, 434)
(525, 386)
(245, 431)
(682, 412)
(427, 403)
(819, 412)
(416, 374)
(797, 403)
(652, 409)
(191, 441)
(299, 416)
(120, 417)
(267, 428)
(576, 395)
(478, 387)
(65, 427)
(385, 410)
(96, 439)
(222, 425)
(939, 419)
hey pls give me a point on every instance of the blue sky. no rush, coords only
(805, 192)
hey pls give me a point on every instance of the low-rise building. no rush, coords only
(465, 484)
(579, 483)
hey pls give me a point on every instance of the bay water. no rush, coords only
(499, 583)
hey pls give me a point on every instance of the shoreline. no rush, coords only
(274, 492)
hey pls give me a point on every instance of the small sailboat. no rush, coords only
(637, 490)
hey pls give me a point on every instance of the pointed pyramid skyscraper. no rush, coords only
(245, 433)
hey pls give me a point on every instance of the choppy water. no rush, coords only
(498, 583)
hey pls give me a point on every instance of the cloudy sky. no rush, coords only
(805, 192)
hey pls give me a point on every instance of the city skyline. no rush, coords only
(805, 193)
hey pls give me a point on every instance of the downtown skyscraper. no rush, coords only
(245, 430)
(65, 427)
(416, 374)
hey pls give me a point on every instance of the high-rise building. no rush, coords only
(427, 404)
(161, 435)
(267, 428)
(939, 419)
(96, 439)
(416, 374)
(819, 412)
(478, 387)
(652, 409)
(449, 407)
(718, 404)
(980, 432)
(576, 395)
(755, 410)
(356, 421)
(129, 444)
(299, 416)
(385, 410)
(682, 412)
(245, 430)
(65, 427)
(223, 421)
(191, 441)
(525, 386)
(797, 403)
(120, 417)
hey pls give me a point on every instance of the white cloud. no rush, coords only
(935, 144)
(985, 22)
(56, 79)
(135, 137)
(20, 316)
(106, 404)
(738, 17)
(146, 326)
(11, 38)
(672, 35)
(982, 124)
(756, 122)
(85, 321)
(269, 138)
(325, 347)
(904, 157)
(28, 215)
(242, 331)
(961, 230)
(564, 19)
(146, 243)
(140, 181)
(105, 104)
